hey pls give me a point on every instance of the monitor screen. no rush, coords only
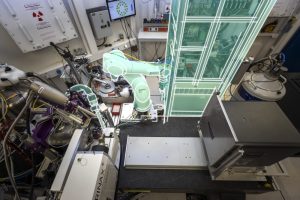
(119, 9)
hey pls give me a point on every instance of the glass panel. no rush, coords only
(192, 103)
(174, 8)
(195, 34)
(171, 35)
(203, 85)
(226, 39)
(262, 7)
(224, 50)
(203, 7)
(240, 7)
(188, 63)
(190, 114)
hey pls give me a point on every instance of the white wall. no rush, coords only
(116, 25)
(42, 60)
(266, 44)
(47, 58)
(33, 61)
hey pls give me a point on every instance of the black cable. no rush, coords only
(28, 117)
(128, 37)
(282, 195)
(123, 28)
(55, 85)
(69, 58)
(126, 33)
(35, 75)
(136, 37)
(231, 94)
(156, 50)
(162, 55)
(16, 89)
(131, 29)
(103, 43)
(32, 177)
(32, 74)
(6, 157)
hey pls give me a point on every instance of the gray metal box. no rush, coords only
(92, 176)
(246, 134)
(100, 22)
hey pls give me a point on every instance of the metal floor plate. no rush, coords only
(165, 152)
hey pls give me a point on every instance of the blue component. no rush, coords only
(245, 95)
(59, 72)
(291, 51)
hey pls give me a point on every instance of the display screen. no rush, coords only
(119, 9)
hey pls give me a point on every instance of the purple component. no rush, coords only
(76, 99)
(42, 130)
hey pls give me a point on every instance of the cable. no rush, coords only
(21, 174)
(162, 55)
(55, 85)
(131, 31)
(35, 75)
(103, 43)
(282, 195)
(17, 176)
(11, 177)
(69, 58)
(4, 103)
(16, 89)
(231, 94)
(33, 106)
(156, 50)
(136, 37)
(32, 178)
(132, 57)
(126, 33)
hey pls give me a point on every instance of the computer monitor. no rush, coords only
(119, 9)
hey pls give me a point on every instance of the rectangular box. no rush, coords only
(246, 134)
(92, 176)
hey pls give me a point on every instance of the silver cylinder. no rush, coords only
(48, 93)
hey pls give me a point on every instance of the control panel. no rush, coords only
(100, 22)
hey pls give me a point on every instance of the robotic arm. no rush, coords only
(134, 72)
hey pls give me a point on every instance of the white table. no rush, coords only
(150, 37)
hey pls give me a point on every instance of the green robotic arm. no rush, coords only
(134, 73)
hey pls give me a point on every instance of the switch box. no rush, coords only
(100, 22)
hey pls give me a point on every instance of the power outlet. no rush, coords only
(153, 29)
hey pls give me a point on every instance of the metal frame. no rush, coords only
(178, 19)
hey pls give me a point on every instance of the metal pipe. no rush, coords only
(86, 111)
